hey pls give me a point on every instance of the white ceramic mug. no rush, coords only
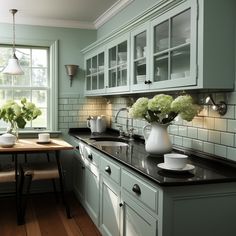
(44, 137)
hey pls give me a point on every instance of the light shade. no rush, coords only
(13, 67)
(71, 70)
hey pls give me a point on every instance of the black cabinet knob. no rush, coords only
(82, 167)
(121, 204)
(108, 169)
(148, 82)
(90, 156)
(136, 189)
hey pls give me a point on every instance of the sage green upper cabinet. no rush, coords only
(118, 65)
(95, 72)
(140, 74)
(173, 48)
(175, 45)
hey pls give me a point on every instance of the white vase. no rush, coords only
(157, 141)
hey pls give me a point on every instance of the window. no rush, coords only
(38, 84)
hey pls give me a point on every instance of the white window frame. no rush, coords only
(53, 77)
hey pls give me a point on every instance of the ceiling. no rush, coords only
(89, 14)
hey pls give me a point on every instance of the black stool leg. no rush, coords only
(22, 180)
(29, 177)
(61, 178)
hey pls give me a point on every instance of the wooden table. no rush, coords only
(31, 146)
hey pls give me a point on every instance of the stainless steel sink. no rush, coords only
(110, 143)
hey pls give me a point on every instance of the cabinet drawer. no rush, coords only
(111, 170)
(91, 156)
(140, 190)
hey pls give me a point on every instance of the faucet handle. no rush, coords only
(131, 133)
(121, 131)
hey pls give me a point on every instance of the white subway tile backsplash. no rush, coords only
(203, 134)
(231, 153)
(192, 132)
(220, 150)
(187, 142)
(208, 147)
(173, 129)
(209, 123)
(231, 126)
(183, 131)
(230, 114)
(197, 144)
(198, 121)
(227, 139)
(214, 136)
(178, 140)
(220, 124)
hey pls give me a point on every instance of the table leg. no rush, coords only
(62, 184)
(18, 202)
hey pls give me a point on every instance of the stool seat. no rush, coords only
(7, 173)
(40, 171)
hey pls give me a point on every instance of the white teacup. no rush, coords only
(43, 137)
(175, 160)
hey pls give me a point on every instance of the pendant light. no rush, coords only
(13, 66)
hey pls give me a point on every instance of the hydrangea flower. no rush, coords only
(14, 113)
(163, 108)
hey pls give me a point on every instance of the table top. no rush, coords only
(32, 145)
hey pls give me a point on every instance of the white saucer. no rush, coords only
(44, 142)
(188, 167)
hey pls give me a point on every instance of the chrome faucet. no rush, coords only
(129, 131)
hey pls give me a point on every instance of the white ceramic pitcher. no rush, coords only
(157, 141)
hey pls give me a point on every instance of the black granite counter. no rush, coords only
(207, 170)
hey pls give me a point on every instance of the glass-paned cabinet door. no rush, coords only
(95, 73)
(174, 47)
(139, 58)
(118, 65)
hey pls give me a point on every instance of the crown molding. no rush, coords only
(49, 22)
(110, 12)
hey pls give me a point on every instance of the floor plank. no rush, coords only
(46, 217)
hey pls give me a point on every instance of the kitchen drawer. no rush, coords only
(91, 155)
(140, 189)
(111, 170)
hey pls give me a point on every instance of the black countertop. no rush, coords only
(207, 170)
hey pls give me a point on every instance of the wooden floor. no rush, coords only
(46, 217)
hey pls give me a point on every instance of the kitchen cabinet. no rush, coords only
(136, 220)
(95, 72)
(177, 45)
(87, 188)
(121, 201)
(173, 48)
(118, 65)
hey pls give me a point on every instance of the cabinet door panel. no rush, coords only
(137, 222)
(92, 192)
(110, 210)
(78, 178)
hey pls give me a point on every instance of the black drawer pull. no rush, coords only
(147, 82)
(108, 169)
(90, 156)
(136, 189)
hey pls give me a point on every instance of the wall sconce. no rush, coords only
(221, 108)
(71, 70)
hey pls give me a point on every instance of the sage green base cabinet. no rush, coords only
(122, 202)
(88, 193)
(174, 45)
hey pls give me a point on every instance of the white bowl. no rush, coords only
(175, 160)
(7, 139)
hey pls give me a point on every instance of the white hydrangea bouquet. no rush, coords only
(18, 114)
(164, 108)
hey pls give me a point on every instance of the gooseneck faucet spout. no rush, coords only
(127, 120)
